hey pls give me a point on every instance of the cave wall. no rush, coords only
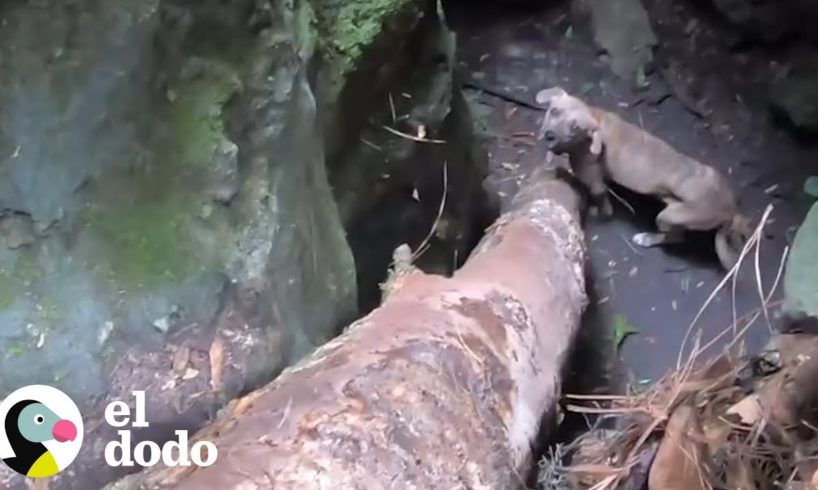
(166, 219)
(784, 30)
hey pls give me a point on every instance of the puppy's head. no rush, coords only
(568, 124)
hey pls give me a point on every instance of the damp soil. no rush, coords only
(657, 291)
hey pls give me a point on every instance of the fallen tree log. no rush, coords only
(446, 385)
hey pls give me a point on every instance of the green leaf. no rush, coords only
(801, 275)
(811, 186)
(621, 330)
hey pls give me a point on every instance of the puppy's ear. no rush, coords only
(544, 96)
(596, 142)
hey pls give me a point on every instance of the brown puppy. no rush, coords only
(601, 146)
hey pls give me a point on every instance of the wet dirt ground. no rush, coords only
(656, 291)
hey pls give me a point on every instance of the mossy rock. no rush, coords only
(347, 28)
(173, 187)
(144, 217)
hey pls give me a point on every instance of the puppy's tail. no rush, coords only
(731, 238)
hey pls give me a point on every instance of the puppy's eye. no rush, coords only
(555, 111)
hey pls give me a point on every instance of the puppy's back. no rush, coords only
(645, 164)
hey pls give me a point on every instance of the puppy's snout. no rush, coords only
(549, 137)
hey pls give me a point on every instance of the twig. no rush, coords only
(628, 243)
(425, 241)
(595, 397)
(503, 95)
(371, 144)
(606, 411)
(392, 108)
(411, 137)
(622, 200)
(752, 241)
(286, 412)
(654, 100)
(767, 302)
(761, 287)
(753, 313)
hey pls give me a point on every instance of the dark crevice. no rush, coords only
(390, 189)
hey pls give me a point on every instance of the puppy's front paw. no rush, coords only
(648, 240)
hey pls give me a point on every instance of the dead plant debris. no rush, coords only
(744, 422)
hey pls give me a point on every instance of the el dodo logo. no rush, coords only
(41, 431)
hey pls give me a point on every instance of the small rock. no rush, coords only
(16, 231)
(105, 332)
(225, 172)
(207, 211)
(181, 359)
(162, 324)
(748, 410)
(622, 29)
(190, 373)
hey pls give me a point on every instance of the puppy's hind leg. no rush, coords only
(649, 239)
(669, 224)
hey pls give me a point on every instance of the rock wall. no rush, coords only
(785, 28)
(770, 20)
(166, 221)
(622, 31)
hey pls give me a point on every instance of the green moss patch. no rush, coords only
(195, 116)
(149, 241)
(15, 280)
(347, 27)
(146, 223)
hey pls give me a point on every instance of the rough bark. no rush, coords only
(446, 385)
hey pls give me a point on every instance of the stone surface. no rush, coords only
(795, 95)
(621, 28)
(770, 20)
(801, 275)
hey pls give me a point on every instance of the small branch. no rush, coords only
(410, 137)
(502, 95)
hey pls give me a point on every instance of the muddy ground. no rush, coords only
(657, 291)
